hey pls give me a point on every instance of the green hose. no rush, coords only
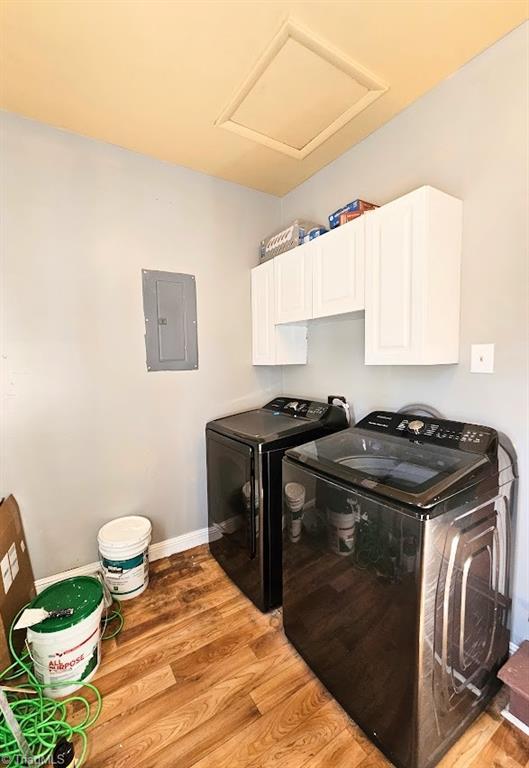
(112, 616)
(43, 720)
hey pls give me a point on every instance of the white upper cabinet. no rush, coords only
(401, 263)
(263, 315)
(338, 270)
(273, 344)
(293, 284)
(412, 280)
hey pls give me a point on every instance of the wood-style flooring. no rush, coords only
(199, 677)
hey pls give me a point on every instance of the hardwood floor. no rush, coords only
(199, 677)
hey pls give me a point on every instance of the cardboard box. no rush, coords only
(356, 207)
(17, 584)
(349, 216)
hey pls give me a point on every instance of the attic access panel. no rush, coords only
(170, 310)
(299, 94)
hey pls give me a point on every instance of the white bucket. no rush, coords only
(295, 501)
(71, 654)
(124, 555)
(341, 531)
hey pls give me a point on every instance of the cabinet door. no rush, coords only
(338, 270)
(293, 284)
(263, 325)
(395, 243)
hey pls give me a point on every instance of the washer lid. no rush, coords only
(414, 472)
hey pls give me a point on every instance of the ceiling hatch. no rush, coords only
(301, 91)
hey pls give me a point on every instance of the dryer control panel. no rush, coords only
(297, 407)
(452, 434)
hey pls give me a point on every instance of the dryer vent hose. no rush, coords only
(421, 409)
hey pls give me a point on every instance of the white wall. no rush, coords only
(88, 434)
(469, 137)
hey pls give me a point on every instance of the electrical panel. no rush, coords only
(170, 309)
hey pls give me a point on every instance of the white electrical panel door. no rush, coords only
(412, 263)
(338, 270)
(293, 284)
(263, 320)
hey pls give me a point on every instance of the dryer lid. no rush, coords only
(280, 418)
(260, 425)
(391, 462)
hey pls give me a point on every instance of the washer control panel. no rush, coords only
(452, 434)
(294, 406)
(416, 426)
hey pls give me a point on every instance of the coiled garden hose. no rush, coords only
(113, 614)
(44, 721)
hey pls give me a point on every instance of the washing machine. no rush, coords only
(244, 453)
(396, 582)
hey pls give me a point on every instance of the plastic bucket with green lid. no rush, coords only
(66, 651)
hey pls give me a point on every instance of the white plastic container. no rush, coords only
(124, 555)
(342, 530)
(66, 651)
(295, 501)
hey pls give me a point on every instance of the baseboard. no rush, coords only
(156, 552)
(515, 721)
(178, 544)
(83, 570)
(513, 648)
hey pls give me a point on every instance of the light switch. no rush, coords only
(482, 358)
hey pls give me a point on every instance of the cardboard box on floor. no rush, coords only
(17, 585)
